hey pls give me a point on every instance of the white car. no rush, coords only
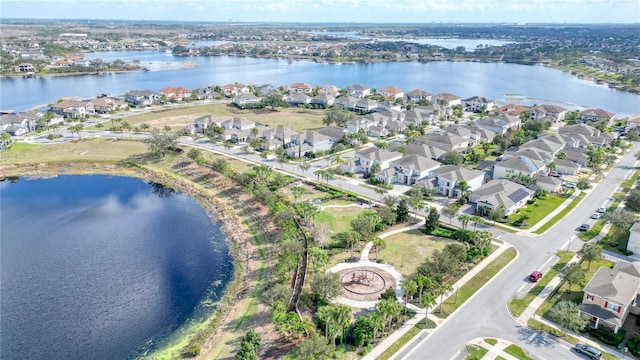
(596, 216)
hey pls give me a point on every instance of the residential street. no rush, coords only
(487, 315)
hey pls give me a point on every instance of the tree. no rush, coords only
(427, 300)
(274, 100)
(566, 314)
(486, 146)
(621, 218)
(362, 332)
(561, 155)
(402, 212)
(409, 287)
(297, 192)
(77, 129)
(632, 134)
(343, 315)
(337, 115)
(632, 201)
(380, 191)
(450, 210)
(590, 252)
(497, 213)
(314, 348)
(159, 142)
(376, 319)
(431, 223)
(476, 220)
(387, 215)
(464, 220)
(453, 158)
(415, 200)
(377, 244)
(583, 184)
(249, 346)
(326, 285)
(552, 166)
(390, 200)
(573, 274)
(214, 132)
(5, 140)
(464, 188)
(304, 166)
(390, 308)
(365, 225)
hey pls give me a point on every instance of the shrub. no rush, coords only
(609, 337)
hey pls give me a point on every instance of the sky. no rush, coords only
(310, 11)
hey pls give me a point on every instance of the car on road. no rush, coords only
(601, 210)
(535, 276)
(596, 216)
(584, 227)
(589, 351)
(554, 174)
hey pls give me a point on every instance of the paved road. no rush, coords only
(486, 315)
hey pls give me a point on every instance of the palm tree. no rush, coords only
(476, 220)
(486, 146)
(326, 315)
(377, 244)
(464, 219)
(343, 318)
(297, 191)
(351, 237)
(376, 319)
(427, 300)
(464, 188)
(304, 166)
(442, 289)
(561, 155)
(409, 287)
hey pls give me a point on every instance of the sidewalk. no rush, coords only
(494, 351)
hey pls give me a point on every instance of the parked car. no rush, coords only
(555, 174)
(596, 216)
(602, 210)
(535, 276)
(570, 185)
(591, 352)
(584, 227)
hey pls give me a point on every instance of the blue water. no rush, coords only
(98, 267)
(504, 83)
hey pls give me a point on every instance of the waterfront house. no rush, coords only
(596, 115)
(358, 91)
(300, 88)
(500, 192)
(391, 92)
(73, 108)
(445, 180)
(553, 113)
(246, 100)
(25, 67)
(512, 109)
(499, 124)
(322, 100)
(331, 90)
(446, 99)
(477, 104)
(106, 104)
(16, 124)
(417, 95)
(142, 97)
(296, 99)
(235, 89)
(583, 135)
(176, 93)
(611, 295)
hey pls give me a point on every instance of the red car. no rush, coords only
(535, 276)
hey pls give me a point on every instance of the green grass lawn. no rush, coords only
(408, 250)
(516, 351)
(474, 284)
(391, 350)
(538, 210)
(561, 214)
(491, 341)
(339, 219)
(575, 294)
(593, 231)
(476, 352)
(517, 306)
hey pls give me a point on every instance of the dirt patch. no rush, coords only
(172, 121)
(365, 283)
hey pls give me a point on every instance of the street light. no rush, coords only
(569, 244)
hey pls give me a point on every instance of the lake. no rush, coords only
(504, 83)
(100, 267)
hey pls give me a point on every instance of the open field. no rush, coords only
(297, 119)
(408, 250)
(338, 219)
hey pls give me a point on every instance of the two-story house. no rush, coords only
(611, 295)
(106, 104)
(366, 160)
(391, 92)
(176, 92)
(500, 192)
(517, 166)
(358, 91)
(300, 88)
(142, 97)
(596, 115)
(417, 95)
(407, 170)
(445, 180)
(478, 104)
(73, 108)
(553, 113)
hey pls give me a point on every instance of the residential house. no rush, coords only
(267, 89)
(25, 67)
(308, 141)
(322, 100)
(235, 89)
(500, 192)
(407, 170)
(418, 116)
(205, 93)
(531, 153)
(366, 105)
(553, 113)
(478, 104)
(235, 123)
(246, 100)
(517, 166)
(73, 108)
(544, 144)
(567, 167)
(330, 90)
(377, 131)
(425, 150)
(16, 124)
(470, 134)
(596, 115)
(200, 125)
(548, 183)
(388, 106)
(297, 99)
(176, 93)
(633, 244)
(36, 116)
(583, 136)
(347, 102)
(334, 133)
(633, 122)
(576, 155)
(106, 104)
(300, 88)
(499, 124)
(445, 141)
(358, 91)
(611, 295)
(366, 160)
(391, 92)
(512, 109)
(446, 99)
(142, 97)
(417, 95)
(445, 180)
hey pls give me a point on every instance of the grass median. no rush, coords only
(454, 301)
(391, 350)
